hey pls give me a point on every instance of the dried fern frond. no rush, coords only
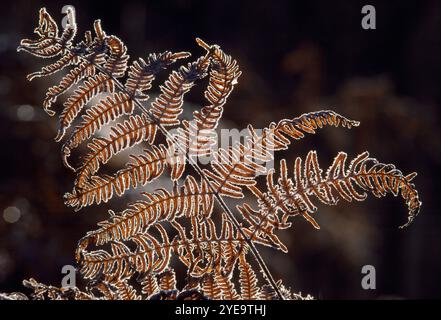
(190, 200)
(105, 111)
(238, 166)
(42, 292)
(290, 197)
(248, 280)
(203, 251)
(210, 287)
(46, 46)
(142, 73)
(144, 168)
(59, 65)
(137, 129)
(167, 280)
(168, 105)
(125, 291)
(149, 285)
(166, 108)
(198, 136)
(93, 53)
(102, 187)
(180, 221)
(116, 62)
(140, 78)
(226, 286)
(79, 99)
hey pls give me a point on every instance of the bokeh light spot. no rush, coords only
(11, 214)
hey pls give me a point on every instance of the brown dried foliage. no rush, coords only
(111, 94)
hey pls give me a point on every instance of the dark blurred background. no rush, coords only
(296, 56)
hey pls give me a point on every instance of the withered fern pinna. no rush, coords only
(136, 245)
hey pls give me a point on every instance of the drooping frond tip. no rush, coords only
(286, 197)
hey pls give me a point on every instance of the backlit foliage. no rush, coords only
(129, 255)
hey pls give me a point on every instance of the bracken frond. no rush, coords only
(140, 77)
(124, 135)
(203, 251)
(125, 291)
(248, 280)
(105, 111)
(167, 280)
(179, 223)
(290, 197)
(210, 287)
(143, 169)
(149, 285)
(76, 102)
(86, 68)
(65, 61)
(142, 73)
(83, 70)
(47, 45)
(189, 200)
(42, 292)
(238, 166)
(226, 286)
(116, 63)
(168, 105)
(198, 136)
